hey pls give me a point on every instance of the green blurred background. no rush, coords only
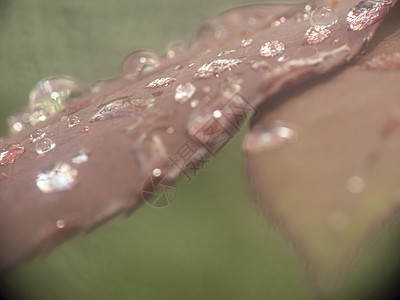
(211, 243)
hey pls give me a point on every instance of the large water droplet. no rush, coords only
(81, 157)
(73, 121)
(214, 68)
(121, 107)
(316, 35)
(52, 93)
(45, 145)
(272, 48)
(366, 13)
(161, 82)
(56, 178)
(19, 121)
(140, 62)
(184, 92)
(10, 154)
(323, 16)
(266, 138)
(37, 135)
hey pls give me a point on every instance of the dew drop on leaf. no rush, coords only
(56, 178)
(366, 13)
(73, 121)
(161, 82)
(316, 34)
(140, 62)
(194, 103)
(45, 145)
(85, 129)
(323, 16)
(37, 135)
(267, 138)
(272, 48)
(52, 93)
(10, 154)
(184, 92)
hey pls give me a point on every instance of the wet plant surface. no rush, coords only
(80, 156)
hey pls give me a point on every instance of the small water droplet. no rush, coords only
(355, 184)
(283, 58)
(335, 41)
(170, 130)
(37, 135)
(121, 107)
(246, 42)
(217, 114)
(45, 145)
(366, 13)
(60, 224)
(323, 16)
(266, 138)
(140, 62)
(81, 157)
(194, 103)
(157, 172)
(56, 178)
(260, 65)
(175, 48)
(52, 93)
(214, 68)
(184, 92)
(272, 48)
(73, 121)
(85, 129)
(179, 67)
(161, 82)
(191, 65)
(3, 176)
(19, 121)
(206, 89)
(227, 52)
(316, 35)
(10, 154)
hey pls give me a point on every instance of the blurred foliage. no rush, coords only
(211, 243)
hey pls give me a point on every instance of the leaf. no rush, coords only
(132, 129)
(326, 170)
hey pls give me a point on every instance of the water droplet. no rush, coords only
(10, 154)
(56, 178)
(140, 62)
(60, 224)
(272, 48)
(184, 92)
(191, 65)
(316, 35)
(194, 103)
(170, 130)
(214, 68)
(81, 157)
(283, 58)
(19, 121)
(355, 184)
(366, 13)
(179, 67)
(323, 16)
(227, 52)
(266, 138)
(175, 48)
(217, 114)
(52, 93)
(73, 121)
(45, 145)
(3, 176)
(157, 172)
(161, 82)
(37, 135)
(260, 65)
(85, 129)
(121, 107)
(206, 89)
(246, 42)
